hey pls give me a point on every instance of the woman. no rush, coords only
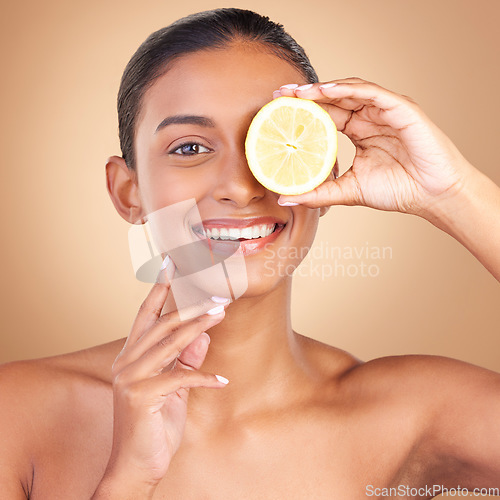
(297, 419)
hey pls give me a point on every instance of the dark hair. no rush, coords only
(204, 30)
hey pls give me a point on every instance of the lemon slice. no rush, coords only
(291, 145)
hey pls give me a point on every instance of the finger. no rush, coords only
(167, 270)
(343, 191)
(340, 115)
(169, 323)
(152, 305)
(287, 90)
(163, 354)
(194, 354)
(399, 112)
(153, 391)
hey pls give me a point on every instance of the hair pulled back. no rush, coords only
(213, 29)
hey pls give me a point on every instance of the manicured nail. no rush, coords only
(165, 263)
(222, 379)
(215, 310)
(304, 87)
(290, 86)
(327, 85)
(276, 94)
(160, 277)
(287, 203)
(219, 300)
(167, 269)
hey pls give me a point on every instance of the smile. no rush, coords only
(235, 233)
(252, 234)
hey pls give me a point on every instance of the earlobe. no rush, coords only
(123, 189)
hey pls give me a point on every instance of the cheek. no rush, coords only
(168, 186)
(292, 250)
(279, 262)
(305, 225)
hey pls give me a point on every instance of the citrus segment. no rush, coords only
(291, 145)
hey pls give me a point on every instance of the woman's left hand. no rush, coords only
(403, 161)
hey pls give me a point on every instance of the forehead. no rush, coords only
(218, 83)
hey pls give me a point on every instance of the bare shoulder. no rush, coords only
(422, 378)
(331, 361)
(31, 390)
(43, 399)
(429, 413)
(42, 376)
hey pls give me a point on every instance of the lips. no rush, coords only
(252, 234)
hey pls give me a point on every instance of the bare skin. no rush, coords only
(298, 418)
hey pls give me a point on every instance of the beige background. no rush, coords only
(67, 280)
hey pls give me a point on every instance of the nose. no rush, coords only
(235, 183)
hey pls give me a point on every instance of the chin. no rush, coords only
(267, 277)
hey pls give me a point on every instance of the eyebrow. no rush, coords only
(202, 121)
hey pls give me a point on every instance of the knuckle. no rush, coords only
(174, 330)
(165, 318)
(179, 375)
(202, 318)
(147, 307)
(170, 343)
(190, 377)
(165, 342)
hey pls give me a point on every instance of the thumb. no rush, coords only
(345, 190)
(194, 354)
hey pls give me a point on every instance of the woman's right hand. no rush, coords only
(152, 375)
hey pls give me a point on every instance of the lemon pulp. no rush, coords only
(291, 145)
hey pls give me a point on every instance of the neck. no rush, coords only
(256, 349)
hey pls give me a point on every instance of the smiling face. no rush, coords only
(189, 143)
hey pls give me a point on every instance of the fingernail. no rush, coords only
(215, 310)
(287, 203)
(219, 300)
(167, 269)
(304, 87)
(207, 335)
(327, 85)
(165, 262)
(222, 379)
(290, 86)
(276, 94)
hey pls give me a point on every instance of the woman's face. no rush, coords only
(205, 103)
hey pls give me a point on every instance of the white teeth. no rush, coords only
(234, 233)
(246, 233)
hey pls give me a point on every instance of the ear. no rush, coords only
(123, 189)
(331, 177)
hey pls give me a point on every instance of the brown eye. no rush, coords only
(189, 149)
